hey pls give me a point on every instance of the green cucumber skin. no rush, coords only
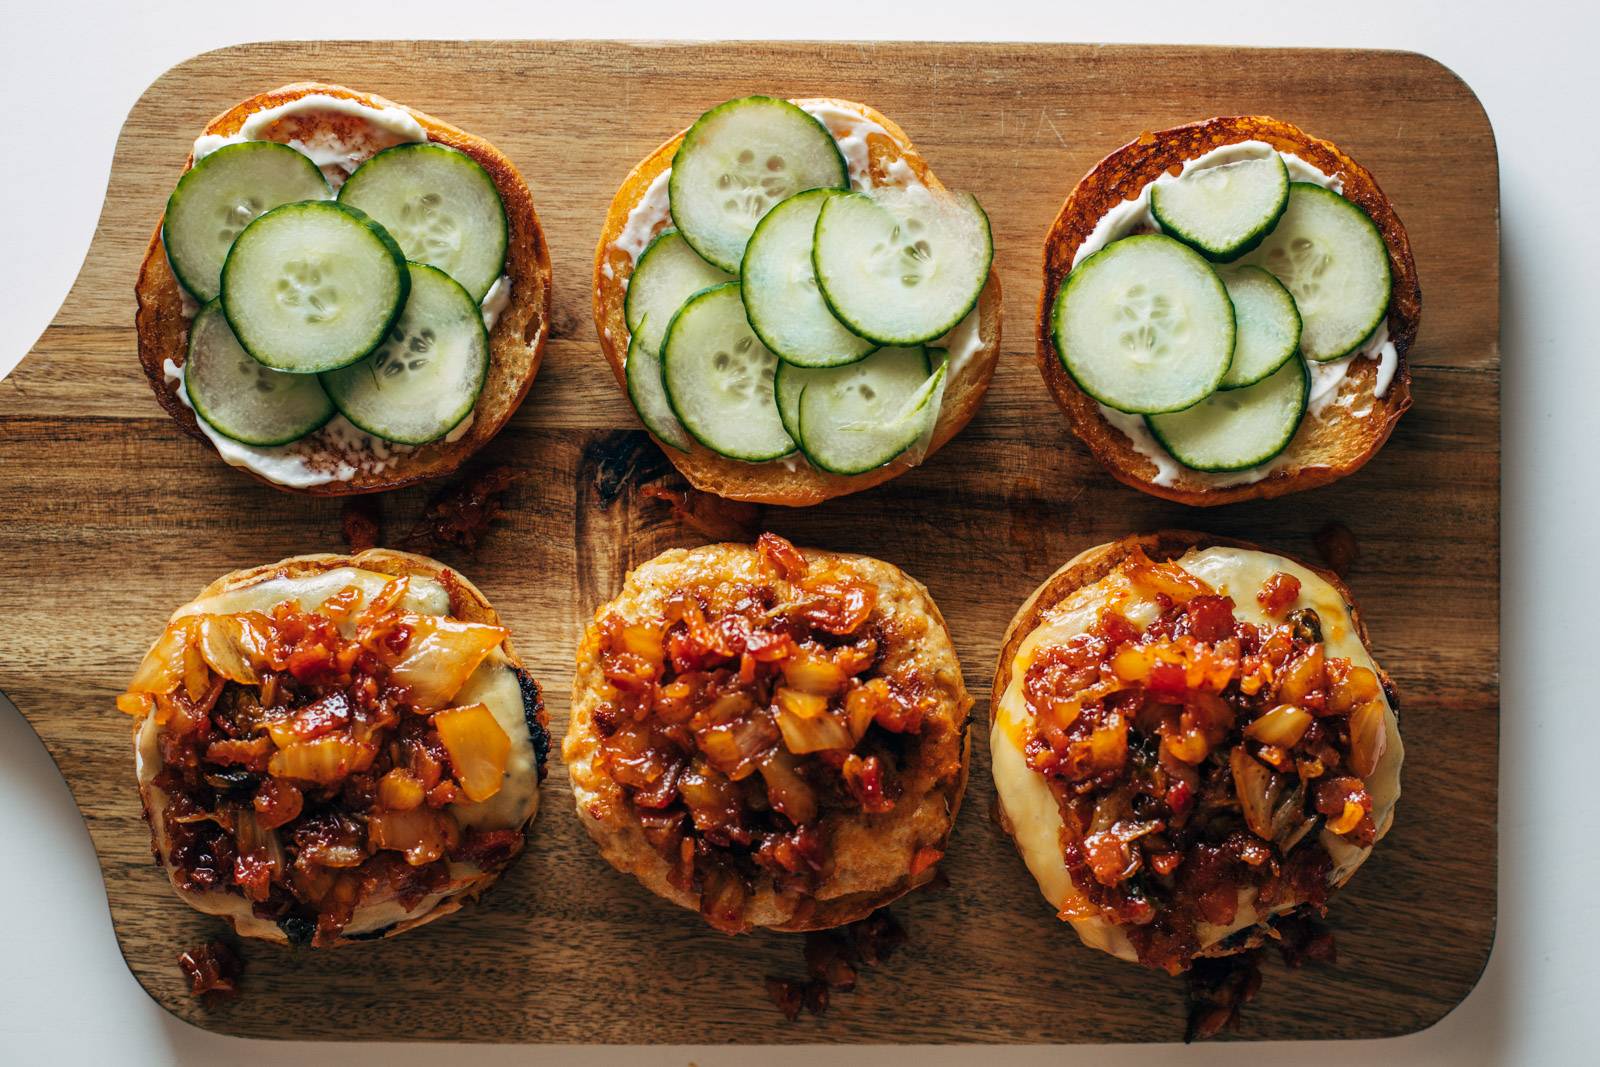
(791, 373)
(383, 238)
(1294, 349)
(1225, 255)
(1388, 266)
(680, 439)
(677, 412)
(754, 320)
(1305, 397)
(815, 459)
(1061, 303)
(414, 146)
(214, 307)
(175, 198)
(884, 342)
(660, 240)
(483, 377)
(690, 137)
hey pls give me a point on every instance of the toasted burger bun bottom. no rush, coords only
(435, 589)
(1068, 602)
(792, 482)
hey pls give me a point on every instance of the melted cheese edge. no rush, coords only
(494, 684)
(1031, 807)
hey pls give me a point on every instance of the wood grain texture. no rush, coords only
(114, 518)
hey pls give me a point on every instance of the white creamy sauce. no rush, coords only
(850, 130)
(338, 156)
(493, 684)
(1134, 217)
(1031, 807)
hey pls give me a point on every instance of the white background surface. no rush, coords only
(70, 71)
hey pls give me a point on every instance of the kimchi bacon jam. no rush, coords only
(330, 755)
(1209, 772)
(780, 732)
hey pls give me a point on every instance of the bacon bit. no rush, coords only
(710, 516)
(1277, 593)
(781, 557)
(1218, 990)
(277, 802)
(833, 960)
(925, 857)
(489, 850)
(1302, 939)
(212, 968)
(1338, 547)
(459, 515)
(360, 521)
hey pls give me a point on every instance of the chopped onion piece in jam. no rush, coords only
(479, 748)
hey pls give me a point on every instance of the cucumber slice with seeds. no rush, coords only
(902, 266)
(857, 418)
(1223, 211)
(1240, 428)
(1267, 324)
(313, 286)
(781, 297)
(426, 376)
(428, 373)
(440, 205)
(221, 195)
(908, 367)
(736, 162)
(718, 378)
(642, 370)
(241, 399)
(668, 273)
(1330, 256)
(1145, 325)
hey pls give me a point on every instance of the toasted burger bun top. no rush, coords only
(790, 481)
(516, 343)
(444, 591)
(1326, 448)
(871, 859)
(1070, 600)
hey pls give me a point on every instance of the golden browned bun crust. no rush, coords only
(869, 855)
(773, 483)
(1093, 564)
(1325, 449)
(467, 603)
(516, 343)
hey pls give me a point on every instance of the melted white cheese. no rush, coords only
(493, 684)
(1031, 807)
(1134, 216)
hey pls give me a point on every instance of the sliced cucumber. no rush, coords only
(902, 266)
(440, 205)
(313, 286)
(668, 273)
(241, 399)
(1144, 325)
(718, 378)
(781, 297)
(222, 194)
(1267, 325)
(857, 418)
(1239, 428)
(1224, 211)
(642, 369)
(736, 162)
(907, 373)
(427, 374)
(1329, 255)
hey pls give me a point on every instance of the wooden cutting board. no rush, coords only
(113, 518)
